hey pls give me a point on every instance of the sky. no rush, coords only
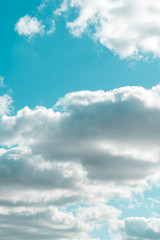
(79, 119)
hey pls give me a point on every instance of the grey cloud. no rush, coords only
(41, 224)
(139, 228)
(118, 169)
(62, 201)
(22, 172)
(109, 134)
(99, 144)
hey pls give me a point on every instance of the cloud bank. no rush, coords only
(90, 148)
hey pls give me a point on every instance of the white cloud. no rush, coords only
(98, 214)
(29, 26)
(127, 27)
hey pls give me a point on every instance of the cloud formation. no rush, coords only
(127, 27)
(41, 224)
(29, 26)
(88, 149)
(114, 127)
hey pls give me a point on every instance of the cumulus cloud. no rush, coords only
(127, 27)
(29, 26)
(99, 130)
(86, 150)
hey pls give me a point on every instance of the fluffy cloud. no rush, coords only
(99, 213)
(127, 27)
(29, 26)
(89, 148)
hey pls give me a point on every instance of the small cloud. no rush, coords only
(2, 81)
(5, 104)
(29, 26)
(63, 8)
(42, 5)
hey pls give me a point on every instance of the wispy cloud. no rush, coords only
(52, 27)
(5, 104)
(1, 81)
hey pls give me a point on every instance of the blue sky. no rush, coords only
(47, 67)
(79, 119)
